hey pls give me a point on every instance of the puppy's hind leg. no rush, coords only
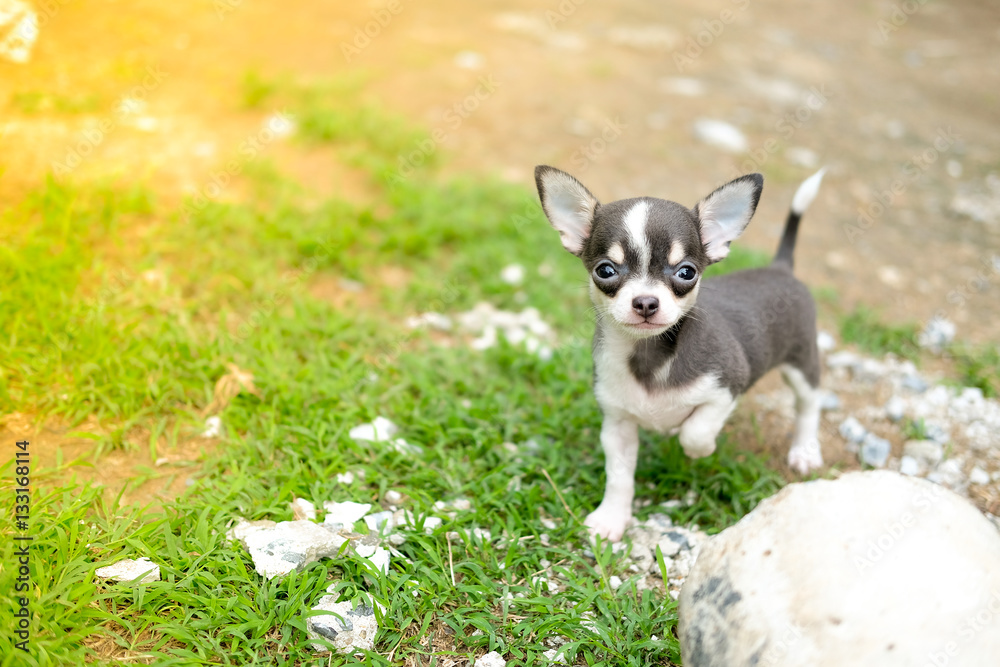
(805, 454)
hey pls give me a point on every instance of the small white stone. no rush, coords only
(668, 547)
(614, 581)
(895, 129)
(555, 656)
(345, 477)
(279, 124)
(891, 276)
(979, 476)
(937, 333)
(895, 408)
(345, 513)
(684, 86)
(377, 431)
(909, 466)
(875, 450)
(954, 168)
(825, 342)
(469, 60)
(18, 29)
(802, 157)
(461, 505)
(491, 659)
(431, 319)
(130, 570)
(407, 448)
(512, 274)
(394, 497)
(303, 509)
(380, 560)
(380, 522)
(852, 430)
(721, 135)
(843, 359)
(213, 428)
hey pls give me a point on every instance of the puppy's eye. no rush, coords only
(605, 271)
(686, 273)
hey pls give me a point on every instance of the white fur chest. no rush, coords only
(620, 395)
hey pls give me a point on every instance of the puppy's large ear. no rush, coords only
(724, 214)
(567, 204)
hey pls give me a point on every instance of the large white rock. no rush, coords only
(279, 548)
(874, 568)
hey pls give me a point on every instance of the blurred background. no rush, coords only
(622, 94)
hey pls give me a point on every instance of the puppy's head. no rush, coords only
(645, 256)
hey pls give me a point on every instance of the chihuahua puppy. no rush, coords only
(672, 352)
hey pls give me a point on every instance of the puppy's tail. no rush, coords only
(800, 202)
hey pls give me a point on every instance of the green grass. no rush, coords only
(978, 367)
(119, 307)
(864, 328)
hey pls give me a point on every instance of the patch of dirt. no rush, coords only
(59, 456)
(105, 644)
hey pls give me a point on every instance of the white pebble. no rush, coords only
(303, 509)
(512, 274)
(721, 135)
(852, 430)
(379, 430)
(909, 466)
(213, 427)
(979, 476)
(491, 659)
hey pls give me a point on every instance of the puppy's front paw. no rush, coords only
(697, 445)
(803, 458)
(607, 522)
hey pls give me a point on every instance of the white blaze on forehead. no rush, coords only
(635, 225)
(676, 253)
(616, 253)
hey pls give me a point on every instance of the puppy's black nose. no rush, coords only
(645, 305)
